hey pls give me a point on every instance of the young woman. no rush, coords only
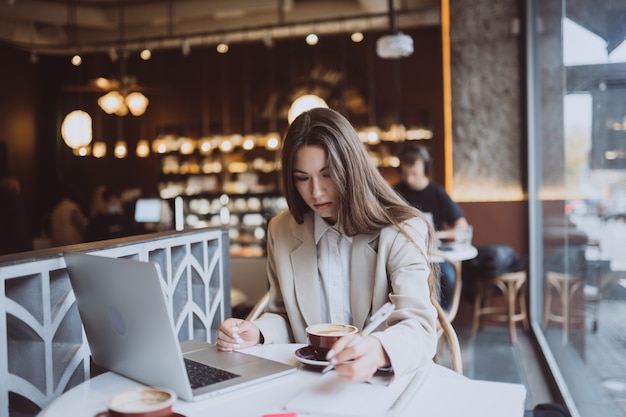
(347, 245)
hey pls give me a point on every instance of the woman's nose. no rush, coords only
(316, 189)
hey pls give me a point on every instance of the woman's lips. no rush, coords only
(321, 206)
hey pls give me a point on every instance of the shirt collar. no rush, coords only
(321, 227)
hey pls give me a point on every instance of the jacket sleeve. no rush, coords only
(410, 339)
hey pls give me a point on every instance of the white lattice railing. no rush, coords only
(45, 352)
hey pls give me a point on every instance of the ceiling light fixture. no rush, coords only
(99, 149)
(120, 102)
(222, 47)
(312, 39)
(395, 45)
(137, 103)
(82, 151)
(145, 54)
(77, 60)
(143, 148)
(76, 129)
(120, 150)
(356, 37)
(122, 98)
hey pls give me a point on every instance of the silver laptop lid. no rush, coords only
(130, 330)
(124, 312)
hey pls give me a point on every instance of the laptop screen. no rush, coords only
(148, 210)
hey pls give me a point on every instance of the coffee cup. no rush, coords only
(464, 235)
(141, 402)
(323, 336)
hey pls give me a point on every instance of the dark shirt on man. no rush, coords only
(434, 200)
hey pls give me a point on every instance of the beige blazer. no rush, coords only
(386, 266)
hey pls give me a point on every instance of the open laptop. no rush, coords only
(130, 331)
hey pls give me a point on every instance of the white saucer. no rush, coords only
(305, 356)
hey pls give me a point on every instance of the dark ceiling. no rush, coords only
(63, 26)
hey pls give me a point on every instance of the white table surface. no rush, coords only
(457, 253)
(442, 392)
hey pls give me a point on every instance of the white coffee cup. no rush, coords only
(140, 402)
(464, 235)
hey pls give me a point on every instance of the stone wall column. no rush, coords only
(487, 101)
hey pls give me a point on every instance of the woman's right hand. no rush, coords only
(237, 334)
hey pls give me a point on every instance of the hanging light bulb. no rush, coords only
(99, 149)
(111, 102)
(137, 103)
(120, 150)
(159, 145)
(272, 141)
(143, 148)
(76, 129)
(205, 145)
(248, 142)
(82, 151)
(187, 146)
(226, 145)
(370, 135)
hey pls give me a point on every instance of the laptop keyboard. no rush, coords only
(201, 375)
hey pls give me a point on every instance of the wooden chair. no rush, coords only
(512, 286)
(447, 336)
(456, 297)
(565, 287)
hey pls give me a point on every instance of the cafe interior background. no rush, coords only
(521, 103)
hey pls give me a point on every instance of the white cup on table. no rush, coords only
(464, 235)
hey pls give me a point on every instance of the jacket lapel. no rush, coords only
(304, 266)
(362, 278)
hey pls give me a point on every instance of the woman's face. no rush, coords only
(312, 180)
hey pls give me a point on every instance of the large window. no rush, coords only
(577, 188)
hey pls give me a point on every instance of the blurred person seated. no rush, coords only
(108, 220)
(14, 236)
(68, 221)
(417, 188)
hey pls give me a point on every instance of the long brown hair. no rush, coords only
(367, 202)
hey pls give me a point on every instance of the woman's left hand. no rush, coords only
(359, 362)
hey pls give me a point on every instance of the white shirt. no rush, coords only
(333, 265)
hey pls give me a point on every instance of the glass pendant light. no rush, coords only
(76, 129)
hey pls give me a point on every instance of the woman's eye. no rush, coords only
(300, 178)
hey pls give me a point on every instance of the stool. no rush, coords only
(512, 286)
(565, 286)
